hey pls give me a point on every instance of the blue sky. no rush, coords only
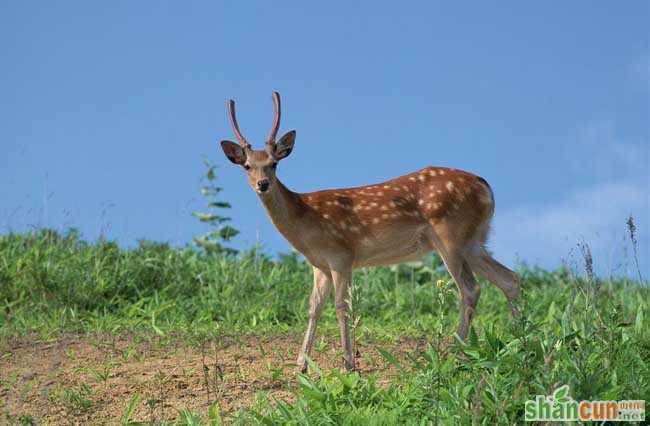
(109, 108)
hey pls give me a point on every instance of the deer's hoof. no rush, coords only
(349, 366)
(302, 365)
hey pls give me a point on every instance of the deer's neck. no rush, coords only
(286, 210)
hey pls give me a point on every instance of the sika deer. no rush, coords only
(406, 218)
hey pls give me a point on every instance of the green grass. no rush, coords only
(578, 330)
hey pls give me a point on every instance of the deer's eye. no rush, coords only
(247, 167)
(274, 165)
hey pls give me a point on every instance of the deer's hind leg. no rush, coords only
(453, 254)
(490, 269)
(469, 290)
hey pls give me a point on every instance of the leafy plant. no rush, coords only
(220, 231)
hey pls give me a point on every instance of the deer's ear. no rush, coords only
(285, 145)
(234, 152)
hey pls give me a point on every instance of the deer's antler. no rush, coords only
(270, 141)
(235, 127)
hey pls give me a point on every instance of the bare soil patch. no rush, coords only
(92, 379)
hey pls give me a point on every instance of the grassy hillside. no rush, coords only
(154, 300)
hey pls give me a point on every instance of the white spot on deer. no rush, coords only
(412, 179)
(441, 172)
(432, 172)
(420, 202)
(380, 194)
(385, 216)
(354, 229)
(438, 191)
(373, 204)
(326, 216)
(375, 220)
(394, 215)
(405, 188)
(422, 178)
(383, 207)
(450, 186)
(329, 203)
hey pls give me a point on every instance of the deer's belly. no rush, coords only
(395, 246)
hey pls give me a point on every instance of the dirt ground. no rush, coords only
(92, 379)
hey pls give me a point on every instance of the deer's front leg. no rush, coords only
(342, 279)
(317, 300)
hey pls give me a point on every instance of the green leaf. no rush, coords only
(204, 217)
(210, 191)
(473, 337)
(157, 330)
(227, 232)
(210, 173)
(130, 409)
(220, 204)
(638, 321)
(313, 366)
(391, 359)
(561, 394)
(349, 381)
(214, 414)
(309, 389)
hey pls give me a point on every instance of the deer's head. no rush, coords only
(260, 165)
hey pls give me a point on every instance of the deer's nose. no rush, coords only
(263, 185)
